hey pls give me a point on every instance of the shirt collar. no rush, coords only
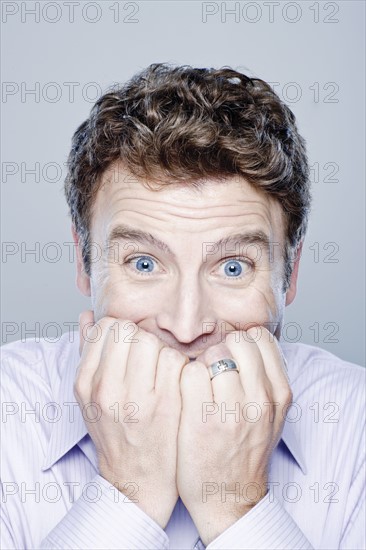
(71, 429)
(291, 439)
(291, 433)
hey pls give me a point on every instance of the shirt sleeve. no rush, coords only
(110, 521)
(267, 526)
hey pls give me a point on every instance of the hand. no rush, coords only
(219, 452)
(137, 443)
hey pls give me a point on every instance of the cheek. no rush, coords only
(259, 303)
(117, 299)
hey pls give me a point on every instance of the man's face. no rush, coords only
(188, 291)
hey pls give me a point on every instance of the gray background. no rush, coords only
(313, 50)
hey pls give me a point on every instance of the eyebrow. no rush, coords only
(124, 232)
(255, 237)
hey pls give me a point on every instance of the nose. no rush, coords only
(186, 311)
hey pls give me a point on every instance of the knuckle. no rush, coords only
(100, 390)
(254, 333)
(191, 370)
(118, 325)
(123, 330)
(95, 332)
(126, 324)
(149, 339)
(171, 355)
(261, 397)
(79, 388)
(239, 338)
(105, 322)
(103, 404)
(290, 396)
(233, 337)
(286, 395)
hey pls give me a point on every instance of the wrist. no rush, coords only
(212, 522)
(146, 497)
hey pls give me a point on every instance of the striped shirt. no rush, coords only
(54, 497)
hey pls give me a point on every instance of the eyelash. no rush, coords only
(244, 260)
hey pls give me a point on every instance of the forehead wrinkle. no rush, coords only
(259, 223)
(166, 215)
(185, 211)
(117, 208)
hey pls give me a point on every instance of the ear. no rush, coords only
(291, 292)
(82, 279)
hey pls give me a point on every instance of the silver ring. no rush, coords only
(222, 366)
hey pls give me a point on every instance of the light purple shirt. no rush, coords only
(53, 497)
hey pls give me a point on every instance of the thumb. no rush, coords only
(86, 321)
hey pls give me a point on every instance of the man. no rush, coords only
(180, 420)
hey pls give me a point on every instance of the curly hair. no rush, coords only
(182, 124)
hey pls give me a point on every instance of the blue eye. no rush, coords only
(234, 270)
(144, 264)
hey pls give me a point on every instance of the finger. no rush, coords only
(273, 359)
(111, 372)
(86, 321)
(252, 373)
(226, 386)
(169, 368)
(90, 357)
(196, 389)
(142, 362)
(93, 336)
